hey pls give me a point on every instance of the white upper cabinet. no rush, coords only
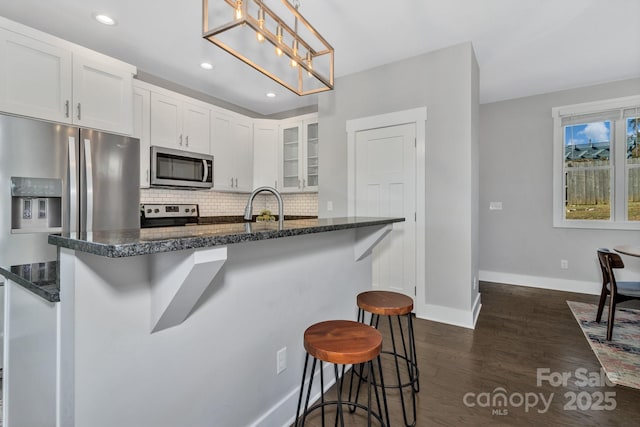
(232, 149)
(102, 96)
(178, 123)
(265, 153)
(35, 78)
(51, 79)
(196, 128)
(298, 155)
(142, 131)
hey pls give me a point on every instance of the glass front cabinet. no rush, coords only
(299, 156)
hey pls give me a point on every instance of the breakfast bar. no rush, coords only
(183, 325)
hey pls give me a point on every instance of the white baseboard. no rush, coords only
(283, 412)
(451, 316)
(554, 283)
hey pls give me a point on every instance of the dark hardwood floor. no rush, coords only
(519, 331)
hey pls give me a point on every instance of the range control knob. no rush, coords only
(156, 210)
(187, 210)
(193, 210)
(149, 210)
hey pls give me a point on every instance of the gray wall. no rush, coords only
(516, 155)
(445, 82)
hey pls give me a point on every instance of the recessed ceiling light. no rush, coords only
(104, 19)
(206, 66)
(271, 95)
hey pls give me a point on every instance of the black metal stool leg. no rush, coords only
(306, 403)
(414, 357)
(304, 374)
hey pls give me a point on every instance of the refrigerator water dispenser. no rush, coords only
(36, 205)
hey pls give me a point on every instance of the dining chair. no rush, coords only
(617, 291)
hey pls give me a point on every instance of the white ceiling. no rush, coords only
(522, 47)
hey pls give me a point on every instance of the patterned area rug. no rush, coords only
(619, 357)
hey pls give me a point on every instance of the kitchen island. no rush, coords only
(181, 326)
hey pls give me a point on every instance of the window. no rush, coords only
(597, 164)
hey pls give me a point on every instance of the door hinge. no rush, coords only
(415, 291)
(415, 217)
(415, 142)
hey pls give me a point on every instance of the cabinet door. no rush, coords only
(243, 155)
(291, 177)
(35, 78)
(222, 150)
(310, 182)
(142, 131)
(102, 96)
(195, 128)
(166, 121)
(265, 155)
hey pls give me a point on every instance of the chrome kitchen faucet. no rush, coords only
(248, 211)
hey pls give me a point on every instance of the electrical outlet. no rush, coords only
(329, 205)
(495, 206)
(475, 283)
(281, 358)
(564, 264)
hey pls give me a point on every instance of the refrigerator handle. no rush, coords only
(73, 186)
(89, 179)
(206, 170)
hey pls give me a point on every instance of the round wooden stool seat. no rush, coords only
(385, 303)
(342, 342)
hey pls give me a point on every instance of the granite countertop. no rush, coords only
(39, 278)
(125, 243)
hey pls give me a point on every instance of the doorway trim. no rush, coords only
(417, 116)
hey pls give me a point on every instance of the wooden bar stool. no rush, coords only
(342, 342)
(393, 304)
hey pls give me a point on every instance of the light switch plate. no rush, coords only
(495, 206)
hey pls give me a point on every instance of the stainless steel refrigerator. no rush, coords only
(59, 178)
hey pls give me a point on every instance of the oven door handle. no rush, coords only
(206, 170)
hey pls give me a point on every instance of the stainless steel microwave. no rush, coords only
(180, 169)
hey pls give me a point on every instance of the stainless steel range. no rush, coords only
(168, 215)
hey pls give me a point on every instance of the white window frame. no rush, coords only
(618, 160)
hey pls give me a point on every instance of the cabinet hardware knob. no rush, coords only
(187, 140)
(66, 108)
(79, 111)
(180, 140)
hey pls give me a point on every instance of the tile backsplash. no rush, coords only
(213, 203)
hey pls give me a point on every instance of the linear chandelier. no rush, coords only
(300, 59)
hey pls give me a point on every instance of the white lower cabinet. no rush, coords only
(232, 149)
(50, 79)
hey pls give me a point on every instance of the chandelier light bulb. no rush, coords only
(238, 11)
(279, 38)
(309, 64)
(294, 61)
(259, 35)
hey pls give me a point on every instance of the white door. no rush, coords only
(385, 182)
